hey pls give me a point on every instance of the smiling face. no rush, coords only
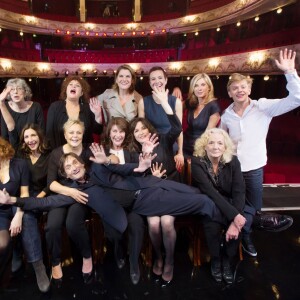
(117, 137)
(74, 169)
(239, 91)
(74, 135)
(124, 79)
(31, 139)
(141, 133)
(74, 90)
(215, 147)
(201, 89)
(157, 79)
(17, 93)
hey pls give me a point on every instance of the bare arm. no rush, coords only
(213, 121)
(141, 109)
(179, 159)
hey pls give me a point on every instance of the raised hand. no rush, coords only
(4, 94)
(96, 109)
(286, 62)
(144, 162)
(148, 146)
(157, 170)
(161, 96)
(99, 154)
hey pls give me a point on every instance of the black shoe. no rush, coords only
(165, 283)
(248, 246)
(227, 272)
(272, 222)
(215, 268)
(57, 283)
(88, 277)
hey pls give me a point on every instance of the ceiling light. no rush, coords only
(279, 10)
(256, 19)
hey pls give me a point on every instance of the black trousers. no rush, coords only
(215, 236)
(74, 218)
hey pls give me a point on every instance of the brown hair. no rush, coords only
(122, 124)
(236, 77)
(84, 85)
(133, 78)
(6, 150)
(133, 144)
(43, 148)
(157, 68)
(61, 168)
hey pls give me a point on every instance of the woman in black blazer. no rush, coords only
(217, 173)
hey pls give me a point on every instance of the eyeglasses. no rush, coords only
(18, 89)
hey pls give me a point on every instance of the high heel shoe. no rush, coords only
(57, 282)
(88, 277)
(159, 269)
(169, 274)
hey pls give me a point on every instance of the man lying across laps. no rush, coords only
(146, 195)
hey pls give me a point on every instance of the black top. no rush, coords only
(57, 117)
(227, 189)
(38, 173)
(164, 150)
(196, 126)
(18, 176)
(33, 115)
(54, 159)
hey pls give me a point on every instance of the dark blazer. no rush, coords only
(229, 193)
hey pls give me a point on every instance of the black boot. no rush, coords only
(227, 272)
(215, 268)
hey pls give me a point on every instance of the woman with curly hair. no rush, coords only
(73, 105)
(217, 173)
(18, 110)
(14, 177)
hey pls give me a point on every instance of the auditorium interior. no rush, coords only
(44, 41)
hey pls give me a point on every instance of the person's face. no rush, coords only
(31, 139)
(74, 90)
(124, 79)
(117, 136)
(141, 133)
(157, 79)
(17, 93)
(215, 147)
(74, 169)
(239, 91)
(201, 89)
(74, 135)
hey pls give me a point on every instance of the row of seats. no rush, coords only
(21, 54)
(110, 56)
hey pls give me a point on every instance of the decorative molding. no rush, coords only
(226, 14)
(254, 62)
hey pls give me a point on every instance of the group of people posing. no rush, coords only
(133, 179)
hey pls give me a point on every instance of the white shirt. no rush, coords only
(119, 154)
(249, 132)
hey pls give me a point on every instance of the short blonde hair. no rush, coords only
(72, 122)
(236, 77)
(202, 141)
(193, 101)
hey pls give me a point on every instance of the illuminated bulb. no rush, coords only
(141, 77)
(266, 78)
(188, 78)
(21, 33)
(256, 19)
(279, 10)
(218, 29)
(196, 33)
(238, 24)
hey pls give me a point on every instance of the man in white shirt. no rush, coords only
(247, 122)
